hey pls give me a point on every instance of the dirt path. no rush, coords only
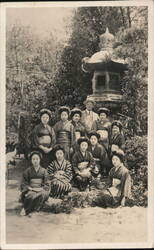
(83, 225)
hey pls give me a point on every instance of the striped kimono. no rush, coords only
(60, 176)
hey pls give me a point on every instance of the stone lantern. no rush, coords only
(107, 70)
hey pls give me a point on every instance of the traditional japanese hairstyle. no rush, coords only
(117, 123)
(104, 110)
(56, 148)
(120, 154)
(76, 111)
(94, 133)
(35, 153)
(86, 101)
(45, 111)
(82, 139)
(64, 108)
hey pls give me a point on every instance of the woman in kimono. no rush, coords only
(119, 183)
(35, 186)
(60, 173)
(98, 152)
(83, 163)
(64, 130)
(44, 137)
(79, 128)
(103, 126)
(117, 140)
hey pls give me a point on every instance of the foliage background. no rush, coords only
(46, 72)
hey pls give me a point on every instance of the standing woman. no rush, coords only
(44, 137)
(117, 140)
(79, 128)
(35, 185)
(60, 173)
(64, 130)
(103, 126)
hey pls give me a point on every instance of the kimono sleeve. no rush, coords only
(35, 141)
(68, 171)
(103, 154)
(109, 180)
(75, 162)
(72, 134)
(53, 135)
(46, 183)
(51, 170)
(121, 142)
(125, 185)
(91, 161)
(55, 128)
(25, 183)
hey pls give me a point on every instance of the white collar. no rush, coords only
(89, 111)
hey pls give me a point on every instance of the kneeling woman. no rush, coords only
(83, 164)
(60, 173)
(119, 182)
(35, 185)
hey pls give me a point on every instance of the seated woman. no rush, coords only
(103, 126)
(119, 183)
(83, 163)
(60, 173)
(43, 137)
(64, 130)
(117, 140)
(35, 186)
(98, 152)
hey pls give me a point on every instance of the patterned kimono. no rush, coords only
(119, 186)
(60, 176)
(99, 126)
(44, 136)
(82, 167)
(117, 140)
(87, 119)
(33, 200)
(65, 135)
(99, 154)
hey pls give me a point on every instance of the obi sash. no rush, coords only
(115, 189)
(45, 140)
(103, 134)
(83, 165)
(36, 183)
(77, 135)
(63, 137)
(97, 160)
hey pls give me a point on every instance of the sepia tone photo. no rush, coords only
(75, 110)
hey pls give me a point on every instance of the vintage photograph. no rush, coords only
(76, 124)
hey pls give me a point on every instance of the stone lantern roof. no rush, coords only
(106, 40)
(105, 58)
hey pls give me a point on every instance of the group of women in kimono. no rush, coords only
(80, 150)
